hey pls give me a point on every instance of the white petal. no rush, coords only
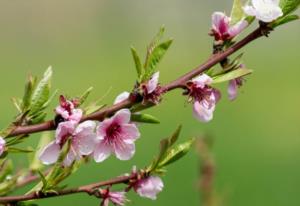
(152, 83)
(102, 152)
(50, 153)
(202, 80)
(121, 97)
(249, 10)
(203, 111)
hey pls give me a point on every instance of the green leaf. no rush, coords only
(155, 57)
(29, 87)
(237, 12)
(85, 95)
(175, 136)
(284, 20)
(137, 62)
(231, 75)
(176, 153)
(41, 94)
(144, 118)
(18, 150)
(43, 178)
(288, 6)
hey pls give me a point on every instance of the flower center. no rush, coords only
(113, 132)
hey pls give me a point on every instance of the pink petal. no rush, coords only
(50, 153)
(102, 152)
(64, 130)
(121, 97)
(152, 83)
(84, 138)
(220, 22)
(61, 111)
(122, 116)
(150, 187)
(2, 145)
(124, 151)
(203, 111)
(232, 89)
(129, 133)
(117, 198)
(237, 28)
(202, 80)
(70, 158)
(76, 115)
(102, 127)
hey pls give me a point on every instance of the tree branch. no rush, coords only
(178, 83)
(89, 189)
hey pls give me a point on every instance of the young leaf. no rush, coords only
(237, 12)
(6, 169)
(154, 58)
(288, 6)
(231, 75)
(175, 136)
(176, 153)
(43, 178)
(18, 150)
(137, 61)
(284, 20)
(30, 86)
(85, 95)
(41, 93)
(144, 118)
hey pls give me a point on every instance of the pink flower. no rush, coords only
(223, 30)
(2, 145)
(149, 187)
(204, 97)
(116, 135)
(151, 89)
(264, 10)
(117, 198)
(68, 111)
(233, 86)
(82, 142)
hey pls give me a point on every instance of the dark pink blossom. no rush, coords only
(222, 28)
(116, 135)
(67, 110)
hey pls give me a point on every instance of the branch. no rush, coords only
(178, 83)
(89, 189)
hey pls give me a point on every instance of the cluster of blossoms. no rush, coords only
(115, 135)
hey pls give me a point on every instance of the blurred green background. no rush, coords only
(257, 137)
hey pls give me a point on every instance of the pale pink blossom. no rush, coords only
(204, 97)
(67, 109)
(116, 135)
(222, 28)
(264, 10)
(149, 187)
(2, 145)
(117, 198)
(121, 97)
(151, 89)
(82, 142)
(233, 86)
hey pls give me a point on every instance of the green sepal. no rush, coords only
(144, 118)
